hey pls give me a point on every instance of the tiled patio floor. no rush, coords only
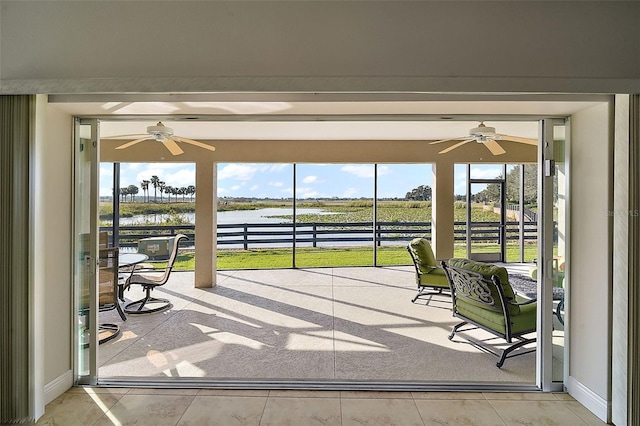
(302, 324)
(210, 407)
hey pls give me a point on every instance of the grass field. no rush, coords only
(327, 257)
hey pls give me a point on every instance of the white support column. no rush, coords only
(442, 210)
(206, 225)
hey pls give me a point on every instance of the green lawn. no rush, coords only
(327, 257)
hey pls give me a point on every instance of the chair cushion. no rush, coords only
(435, 278)
(487, 270)
(522, 323)
(424, 254)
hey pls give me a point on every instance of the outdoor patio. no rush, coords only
(325, 324)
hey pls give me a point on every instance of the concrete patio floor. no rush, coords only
(324, 324)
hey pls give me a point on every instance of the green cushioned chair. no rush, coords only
(483, 298)
(430, 277)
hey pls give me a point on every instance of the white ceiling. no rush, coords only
(289, 118)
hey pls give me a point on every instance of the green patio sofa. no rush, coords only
(483, 298)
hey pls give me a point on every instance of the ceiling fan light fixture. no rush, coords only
(482, 130)
(159, 130)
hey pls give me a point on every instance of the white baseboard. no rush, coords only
(592, 401)
(58, 386)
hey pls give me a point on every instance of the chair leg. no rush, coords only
(120, 311)
(512, 348)
(425, 291)
(455, 329)
(113, 328)
(130, 308)
(558, 311)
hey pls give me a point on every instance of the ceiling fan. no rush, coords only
(164, 134)
(486, 136)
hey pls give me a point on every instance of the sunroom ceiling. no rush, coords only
(320, 117)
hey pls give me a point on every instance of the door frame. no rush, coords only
(501, 255)
(85, 248)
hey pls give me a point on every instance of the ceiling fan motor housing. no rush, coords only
(160, 132)
(483, 131)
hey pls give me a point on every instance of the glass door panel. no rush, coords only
(334, 215)
(403, 210)
(86, 249)
(255, 216)
(552, 253)
(486, 217)
(558, 264)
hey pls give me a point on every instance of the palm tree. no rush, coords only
(154, 182)
(167, 190)
(161, 185)
(145, 189)
(191, 190)
(124, 192)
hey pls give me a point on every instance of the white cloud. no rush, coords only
(236, 187)
(309, 179)
(361, 171)
(237, 172)
(460, 188)
(254, 188)
(350, 192)
(183, 177)
(482, 173)
(383, 170)
(275, 168)
(302, 192)
(276, 184)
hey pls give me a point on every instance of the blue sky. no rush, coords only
(275, 180)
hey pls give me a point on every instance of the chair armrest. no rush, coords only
(526, 302)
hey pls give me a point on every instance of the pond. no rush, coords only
(232, 216)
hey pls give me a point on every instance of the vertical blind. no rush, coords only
(16, 134)
(633, 401)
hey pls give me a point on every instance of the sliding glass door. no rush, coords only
(552, 183)
(85, 227)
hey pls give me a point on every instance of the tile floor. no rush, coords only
(302, 324)
(202, 407)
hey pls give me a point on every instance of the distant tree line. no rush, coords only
(491, 194)
(421, 193)
(158, 187)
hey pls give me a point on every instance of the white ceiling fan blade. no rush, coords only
(123, 136)
(172, 146)
(447, 140)
(494, 147)
(196, 143)
(528, 141)
(452, 147)
(128, 144)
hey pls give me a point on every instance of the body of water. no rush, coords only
(232, 216)
(259, 216)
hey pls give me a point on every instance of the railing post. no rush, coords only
(315, 244)
(246, 237)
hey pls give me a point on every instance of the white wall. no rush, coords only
(54, 215)
(589, 309)
(83, 46)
